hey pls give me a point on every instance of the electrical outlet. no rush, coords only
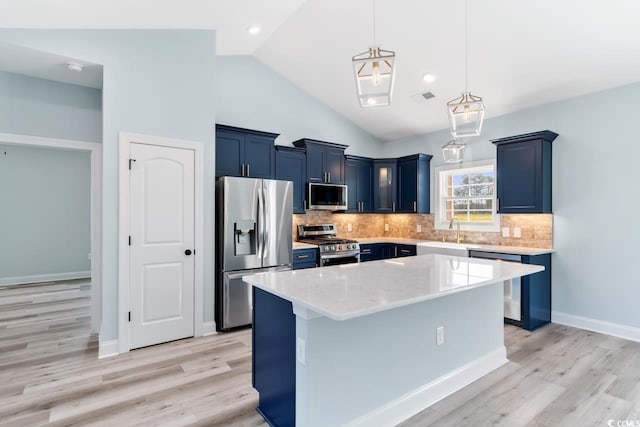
(386, 227)
(300, 351)
(517, 232)
(419, 228)
(440, 335)
(505, 231)
(349, 228)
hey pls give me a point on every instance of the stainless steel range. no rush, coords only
(333, 250)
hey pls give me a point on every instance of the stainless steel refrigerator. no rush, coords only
(253, 234)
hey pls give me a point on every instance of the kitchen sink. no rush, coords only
(445, 248)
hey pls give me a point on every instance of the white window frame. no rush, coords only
(440, 220)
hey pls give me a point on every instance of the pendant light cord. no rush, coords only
(466, 50)
(374, 22)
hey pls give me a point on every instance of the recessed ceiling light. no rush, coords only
(429, 78)
(254, 30)
(72, 66)
(371, 101)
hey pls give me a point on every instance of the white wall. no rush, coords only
(45, 231)
(31, 106)
(251, 95)
(595, 199)
(157, 82)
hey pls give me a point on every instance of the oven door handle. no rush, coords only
(342, 255)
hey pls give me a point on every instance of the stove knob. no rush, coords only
(339, 247)
(333, 247)
(353, 246)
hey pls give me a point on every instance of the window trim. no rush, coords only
(440, 222)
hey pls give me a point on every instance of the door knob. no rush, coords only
(187, 252)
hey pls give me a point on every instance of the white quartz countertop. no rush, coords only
(300, 245)
(354, 290)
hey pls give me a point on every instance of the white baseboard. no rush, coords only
(107, 349)
(411, 403)
(209, 328)
(614, 329)
(23, 280)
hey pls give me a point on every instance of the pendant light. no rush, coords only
(466, 112)
(453, 152)
(374, 72)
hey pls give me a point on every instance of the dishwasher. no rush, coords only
(512, 288)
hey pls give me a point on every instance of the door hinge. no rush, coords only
(129, 316)
(129, 240)
(130, 162)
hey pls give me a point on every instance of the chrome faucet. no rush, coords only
(457, 221)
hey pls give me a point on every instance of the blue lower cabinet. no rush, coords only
(370, 252)
(274, 359)
(536, 293)
(405, 250)
(305, 258)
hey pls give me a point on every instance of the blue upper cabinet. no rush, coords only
(325, 161)
(291, 165)
(385, 183)
(359, 180)
(244, 152)
(413, 184)
(524, 173)
(402, 185)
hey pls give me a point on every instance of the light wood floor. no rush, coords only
(50, 375)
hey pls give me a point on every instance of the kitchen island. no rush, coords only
(358, 344)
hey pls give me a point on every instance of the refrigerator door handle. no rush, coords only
(259, 217)
(265, 231)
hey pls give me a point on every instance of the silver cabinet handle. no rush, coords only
(404, 251)
(248, 166)
(396, 251)
(302, 256)
(415, 206)
(393, 206)
(365, 251)
(329, 177)
(242, 170)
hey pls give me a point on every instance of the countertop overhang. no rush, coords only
(354, 290)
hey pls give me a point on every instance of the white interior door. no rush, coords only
(161, 290)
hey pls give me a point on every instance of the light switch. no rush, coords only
(419, 228)
(440, 335)
(349, 228)
(517, 232)
(300, 351)
(505, 231)
(386, 227)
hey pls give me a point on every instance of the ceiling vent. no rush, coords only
(422, 97)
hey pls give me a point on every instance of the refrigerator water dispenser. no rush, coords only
(245, 237)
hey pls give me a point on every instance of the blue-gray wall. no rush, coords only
(31, 106)
(45, 213)
(594, 196)
(249, 94)
(156, 82)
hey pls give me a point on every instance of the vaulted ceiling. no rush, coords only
(521, 53)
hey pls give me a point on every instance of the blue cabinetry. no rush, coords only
(244, 152)
(325, 160)
(534, 290)
(305, 258)
(378, 251)
(524, 173)
(402, 185)
(359, 180)
(291, 165)
(414, 184)
(385, 185)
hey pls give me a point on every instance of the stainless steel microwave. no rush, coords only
(328, 197)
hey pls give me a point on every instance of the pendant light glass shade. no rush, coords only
(453, 152)
(466, 114)
(374, 73)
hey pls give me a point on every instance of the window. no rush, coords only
(467, 192)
